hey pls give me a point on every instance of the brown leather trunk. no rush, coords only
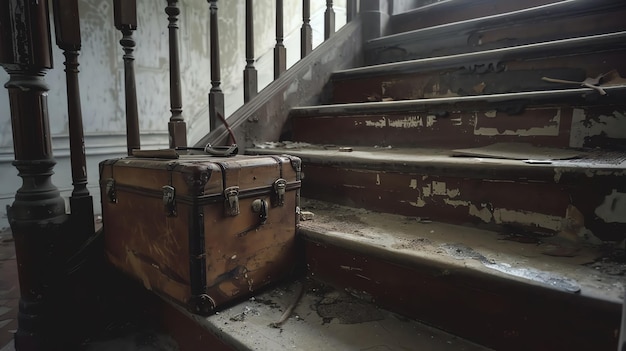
(201, 230)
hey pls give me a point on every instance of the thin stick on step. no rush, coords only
(289, 309)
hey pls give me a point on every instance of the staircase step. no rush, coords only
(535, 191)
(565, 19)
(500, 293)
(572, 117)
(505, 70)
(447, 11)
(323, 318)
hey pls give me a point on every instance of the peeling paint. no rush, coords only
(407, 122)
(439, 188)
(413, 184)
(613, 208)
(491, 114)
(583, 126)
(483, 213)
(377, 179)
(419, 203)
(381, 123)
(430, 120)
(457, 121)
(550, 129)
(502, 215)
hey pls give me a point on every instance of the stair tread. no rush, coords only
(390, 158)
(323, 319)
(547, 10)
(467, 35)
(573, 97)
(577, 45)
(413, 241)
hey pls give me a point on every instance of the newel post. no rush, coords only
(37, 216)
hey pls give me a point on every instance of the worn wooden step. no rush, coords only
(574, 117)
(535, 190)
(513, 69)
(447, 11)
(565, 19)
(476, 284)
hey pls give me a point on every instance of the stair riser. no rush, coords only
(548, 126)
(500, 313)
(454, 11)
(498, 34)
(578, 206)
(493, 76)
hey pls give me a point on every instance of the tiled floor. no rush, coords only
(9, 288)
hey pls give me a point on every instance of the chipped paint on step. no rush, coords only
(550, 129)
(613, 208)
(583, 126)
(381, 123)
(502, 215)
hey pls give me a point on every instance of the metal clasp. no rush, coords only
(169, 200)
(280, 186)
(110, 190)
(231, 203)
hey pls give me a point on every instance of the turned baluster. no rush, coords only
(177, 127)
(280, 52)
(250, 76)
(37, 215)
(125, 16)
(351, 10)
(67, 30)
(329, 20)
(306, 32)
(216, 96)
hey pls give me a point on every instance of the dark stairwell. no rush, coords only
(463, 189)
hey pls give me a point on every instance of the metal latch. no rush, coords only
(280, 185)
(169, 200)
(110, 190)
(231, 203)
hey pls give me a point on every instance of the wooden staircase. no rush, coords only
(472, 173)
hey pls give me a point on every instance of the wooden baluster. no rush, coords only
(280, 52)
(250, 75)
(306, 32)
(216, 96)
(351, 10)
(37, 216)
(67, 30)
(177, 127)
(125, 15)
(329, 20)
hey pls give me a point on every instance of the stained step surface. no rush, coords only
(489, 287)
(565, 19)
(447, 11)
(579, 117)
(539, 66)
(534, 190)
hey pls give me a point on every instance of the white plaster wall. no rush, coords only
(102, 78)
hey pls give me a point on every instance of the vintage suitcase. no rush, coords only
(202, 230)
